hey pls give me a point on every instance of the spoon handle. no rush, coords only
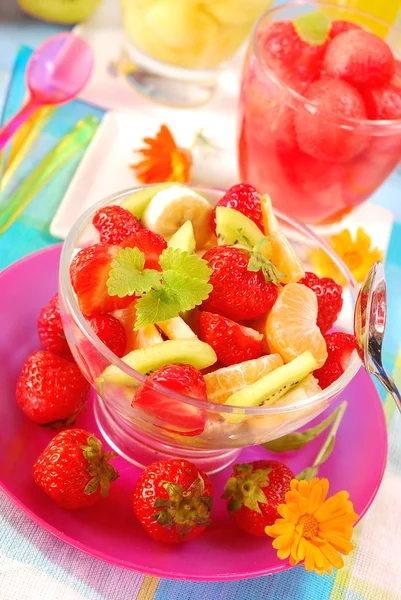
(8, 130)
(389, 384)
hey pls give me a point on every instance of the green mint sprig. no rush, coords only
(257, 261)
(182, 284)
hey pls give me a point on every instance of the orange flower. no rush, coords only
(313, 528)
(163, 160)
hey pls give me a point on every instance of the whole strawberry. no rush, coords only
(74, 470)
(172, 500)
(111, 332)
(238, 293)
(253, 493)
(329, 299)
(115, 224)
(232, 342)
(176, 416)
(51, 389)
(340, 346)
(50, 329)
(244, 198)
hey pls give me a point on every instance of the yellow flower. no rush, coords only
(314, 529)
(163, 160)
(356, 253)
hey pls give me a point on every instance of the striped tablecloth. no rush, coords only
(36, 566)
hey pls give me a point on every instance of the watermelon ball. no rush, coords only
(294, 61)
(360, 58)
(319, 132)
(383, 102)
(338, 27)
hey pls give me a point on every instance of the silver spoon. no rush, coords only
(370, 325)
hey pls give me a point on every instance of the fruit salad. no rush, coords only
(320, 113)
(197, 35)
(198, 325)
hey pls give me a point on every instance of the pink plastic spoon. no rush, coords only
(56, 73)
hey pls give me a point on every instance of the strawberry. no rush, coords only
(339, 349)
(244, 198)
(115, 223)
(329, 299)
(74, 469)
(51, 389)
(110, 331)
(232, 342)
(150, 243)
(238, 293)
(359, 57)
(50, 329)
(172, 500)
(89, 272)
(253, 493)
(177, 416)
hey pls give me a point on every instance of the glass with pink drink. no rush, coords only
(320, 109)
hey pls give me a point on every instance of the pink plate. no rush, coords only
(109, 531)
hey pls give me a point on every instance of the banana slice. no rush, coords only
(171, 208)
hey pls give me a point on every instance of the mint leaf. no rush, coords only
(327, 448)
(155, 306)
(313, 28)
(297, 440)
(184, 285)
(127, 276)
(184, 263)
(190, 292)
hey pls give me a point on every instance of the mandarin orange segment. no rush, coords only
(283, 254)
(224, 382)
(291, 324)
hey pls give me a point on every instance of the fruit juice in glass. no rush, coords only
(316, 164)
(185, 40)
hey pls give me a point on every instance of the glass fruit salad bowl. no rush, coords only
(320, 108)
(216, 334)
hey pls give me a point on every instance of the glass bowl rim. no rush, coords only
(68, 296)
(377, 126)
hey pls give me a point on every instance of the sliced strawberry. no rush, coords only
(233, 343)
(89, 272)
(150, 243)
(175, 416)
(329, 299)
(111, 332)
(340, 346)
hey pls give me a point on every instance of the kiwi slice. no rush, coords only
(145, 360)
(184, 238)
(230, 221)
(137, 202)
(272, 386)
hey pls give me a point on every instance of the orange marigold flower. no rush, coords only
(313, 528)
(163, 160)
